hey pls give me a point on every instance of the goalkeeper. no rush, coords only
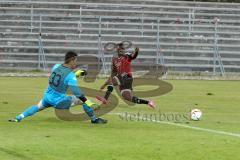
(62, 78)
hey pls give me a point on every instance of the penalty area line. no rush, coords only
(185, 126)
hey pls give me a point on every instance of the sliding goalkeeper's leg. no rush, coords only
(90, 112)
(29, 112)
(64, 103)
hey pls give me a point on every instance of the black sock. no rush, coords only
(109, 91)
(139, 101)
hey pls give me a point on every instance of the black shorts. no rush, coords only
(125, 82)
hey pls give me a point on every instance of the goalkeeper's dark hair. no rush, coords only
(70, 55)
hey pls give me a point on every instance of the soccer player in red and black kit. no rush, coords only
(122, 76)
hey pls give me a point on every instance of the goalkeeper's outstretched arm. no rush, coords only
(80, 73)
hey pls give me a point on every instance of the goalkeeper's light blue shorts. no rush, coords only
(57, 101)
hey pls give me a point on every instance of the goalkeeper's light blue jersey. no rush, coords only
(61, 79)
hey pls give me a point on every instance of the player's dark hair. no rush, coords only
(120, 45)
(70, 55)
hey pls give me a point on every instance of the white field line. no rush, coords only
(185, 126)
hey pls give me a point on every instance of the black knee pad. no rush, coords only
(110, 88)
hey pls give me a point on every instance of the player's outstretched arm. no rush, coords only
(134, 54)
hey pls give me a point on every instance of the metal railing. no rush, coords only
(159, 53)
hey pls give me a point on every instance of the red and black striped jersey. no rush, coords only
(121, 65)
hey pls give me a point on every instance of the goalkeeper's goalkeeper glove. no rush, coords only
(91, 104)
(79, 73)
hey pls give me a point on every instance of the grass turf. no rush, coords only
(43, 136)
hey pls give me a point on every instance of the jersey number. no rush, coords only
(55, 79)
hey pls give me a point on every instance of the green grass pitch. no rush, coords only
(43, 136)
